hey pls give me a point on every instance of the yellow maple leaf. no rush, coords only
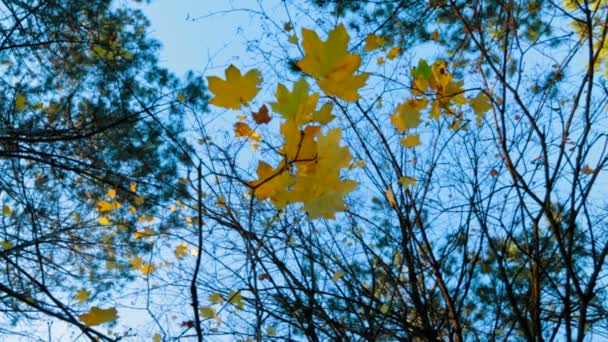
(324, 115)
(372, 42)
(147, 268)
(97, 316)
(480, 104)
(136, 262)
(319, 186)
(406, 181)
(393, 53)
(20, 102)
(407, 114)
(104, 221)
(82, 295)
(6, 245)
(295, 105)
(411, 140)
(270, 181)
(181, 250)
(111, 193)
(215, 298)
(331, 64)
(236, 90)
(207, 312)
(105, 206)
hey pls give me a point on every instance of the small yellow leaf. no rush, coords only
(147, 268)
(82, 295)
(156, 338)
(104, 221)
(207, 312)
(293, 39)
(480, 104)
(242, 129)
(215, 298)
(111, 193)
(133, 187)
(407, 115)
(587, 170)
(97, 316)
(6, 245)
(435, 35)
(136, 262)
(393, 53)
(390, 196)
(411, 140)
(406, 181)
(181, 250)
(271, 331)
(105, 206)
(372, 42)
(380, 60)
(139, 200)
(20, 102)
(6, 210)
(234, 298)
(337, 275)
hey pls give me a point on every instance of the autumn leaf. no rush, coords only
(407, 114)
(270, 181)
(390, 196)
(111, 193)
(324, 115)
(242, 129)
(480, 105)
(181, 250)
(207, 312)
(296, 105)
(261, 116)
(82, 295)
(406, 181)
(104, 221)
(331, 64)
(411, 140)
(105, 206)
(393, 53)
(372, 42)
(337, 276)
(97, 316)
(6, 210)
(20, 102)
(587, 170)
(236, 90)
(215, 298)
(147, 269)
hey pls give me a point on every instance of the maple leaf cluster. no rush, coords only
(311, 156)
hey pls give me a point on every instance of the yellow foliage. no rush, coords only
(97, 316)
(331, 64)
(236, 90)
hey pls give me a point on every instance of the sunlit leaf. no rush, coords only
(97, 316)
(236, 90)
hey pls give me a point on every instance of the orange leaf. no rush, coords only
(261, 116)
